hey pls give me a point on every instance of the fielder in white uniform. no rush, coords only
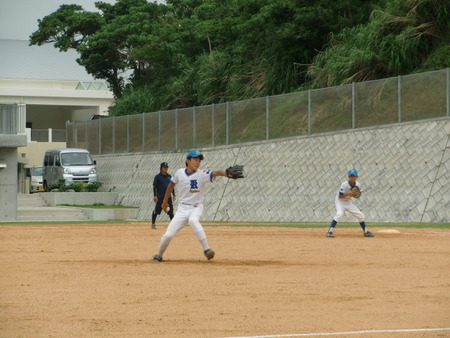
(343, 202)
(191, 183)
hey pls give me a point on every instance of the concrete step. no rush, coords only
(43, 213)
(30, 200)
(33, 208)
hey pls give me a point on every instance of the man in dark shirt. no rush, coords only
(160, 183)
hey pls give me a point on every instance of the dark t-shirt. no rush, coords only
(160, 183)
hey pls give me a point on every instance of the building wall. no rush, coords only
(34, 151)
(8, 175)
(8, 184)
(44, 117)
(404, 172)
(51, 103)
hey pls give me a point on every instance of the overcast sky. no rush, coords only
(18, 18)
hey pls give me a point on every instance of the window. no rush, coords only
(76, 159)
(36, 171)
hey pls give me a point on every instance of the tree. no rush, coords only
(104, 40)
(196, 52)
(251, 48)
(398, 39)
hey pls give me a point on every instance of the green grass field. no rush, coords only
(267, 225)
(340, 225)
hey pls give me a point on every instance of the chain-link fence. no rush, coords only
(357, 105)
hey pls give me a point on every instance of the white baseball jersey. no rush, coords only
(191, 187)
(345, 187)
(346, 204)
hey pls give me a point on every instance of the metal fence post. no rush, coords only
(399, 98)
(267, 117)
(99, 129)
(74, 133)
(159, 130)
(86, 139)
(176, 128)
(447, 94)
(353, 106)
(113, 135)
(309, 112)
(213, 112)
(143, 132)
(227, 119)
(67, 136)
(194, 128)
(128, 133)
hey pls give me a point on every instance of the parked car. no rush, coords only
(70, 164)
(36, 184)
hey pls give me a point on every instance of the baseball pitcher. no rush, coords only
(191, 183)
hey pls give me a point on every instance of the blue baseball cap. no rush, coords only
(194, 153)
(352, 172)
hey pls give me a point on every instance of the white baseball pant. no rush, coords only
(186, 214)
(343, 205)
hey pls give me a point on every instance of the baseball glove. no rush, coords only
(356, 192)
(235, 172)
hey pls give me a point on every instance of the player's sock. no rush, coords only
(363, 226)
(163, 244)
(332, 225)
(204, 243)
(153, 217)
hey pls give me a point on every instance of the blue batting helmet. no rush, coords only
(352, 172)
(194, 153)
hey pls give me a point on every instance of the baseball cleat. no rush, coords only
(209, 254)
(157, 258)
(330, 234)
(369, 234)
(153, 226)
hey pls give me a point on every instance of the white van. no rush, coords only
(70, 164)
(36, 179)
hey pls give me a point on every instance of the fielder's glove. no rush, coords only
(356, 192)
(235, 172)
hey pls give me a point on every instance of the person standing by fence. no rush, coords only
(160, 183)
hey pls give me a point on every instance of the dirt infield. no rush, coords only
(97, 281)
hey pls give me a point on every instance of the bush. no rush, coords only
(62, 185)
(93, 187)
(78, 186)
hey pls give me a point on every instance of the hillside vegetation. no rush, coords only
(197, 52)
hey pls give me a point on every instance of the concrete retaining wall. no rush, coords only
(110, 214)
(79, 198)
(403, 168)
